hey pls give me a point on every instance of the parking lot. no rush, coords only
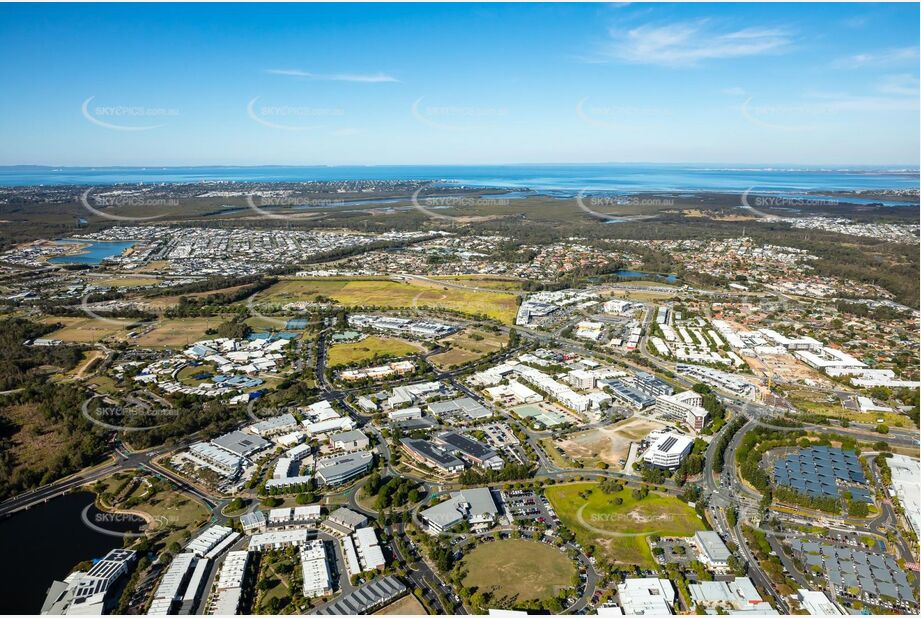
(526, 504)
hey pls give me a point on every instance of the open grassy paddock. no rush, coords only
(368, 348)
(467, 346)
(177, 333)
(518, 569)
(619, 531)
(86, 330)
(394, 294)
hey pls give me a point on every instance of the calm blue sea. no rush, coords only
(562, 179)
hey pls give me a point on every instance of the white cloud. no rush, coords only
(886, 57)
(689, 43)
(371, 78)
(735, 91)
(899, 85)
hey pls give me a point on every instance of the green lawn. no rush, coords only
(523, 570)
(369, 347)
(619, 531)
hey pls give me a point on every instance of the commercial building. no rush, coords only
(469, 449)
(354, 440)
(711, 549)
(463, 406)
(668, 451)
(172, 585)
(476, 506)
(276, 424)
(432, 456)
(277, 539)
(817, 603)
(405, 414)
(341, 468)
(685, 407)
(216, 459)
(228, 590)
(906, 483)
(317, 578)
(646, 596)
(629, 395)
(651, 385)
(241, 444)
(347, 519)
(738, 595)
(88, 592)
(212, 541)
(253, 521)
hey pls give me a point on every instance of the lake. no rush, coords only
(635, 274)
(43, 544)
(93, 254)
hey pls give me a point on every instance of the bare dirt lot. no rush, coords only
(607, 444)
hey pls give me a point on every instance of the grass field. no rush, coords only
(86, 330)
(468, 345)
(165, 507)
(395, 294)
(481, 282)
(619, 531)
(369, 347)
(177, 333)
(518, 569)
(125, 282)
(816, 402)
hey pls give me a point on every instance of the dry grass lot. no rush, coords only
(468, 345)
(407, 606)
(86, 330)
(395, 294)
(177, 333)
(368, 348)
(518, 569)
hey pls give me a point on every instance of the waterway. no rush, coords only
(93, 254)
(44, 543)
(635, 274)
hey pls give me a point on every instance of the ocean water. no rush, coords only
(563, 180)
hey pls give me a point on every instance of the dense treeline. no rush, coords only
(20, 363)
(188, 415)
(57, 407)
(509, 472)
(719, 453)
(391, 492)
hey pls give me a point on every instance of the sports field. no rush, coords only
(177, 333)
(395, 294)
(619, 531)
(518, 569)
(369, 347)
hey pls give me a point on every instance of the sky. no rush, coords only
(340, 84)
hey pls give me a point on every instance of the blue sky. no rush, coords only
(464, 84)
